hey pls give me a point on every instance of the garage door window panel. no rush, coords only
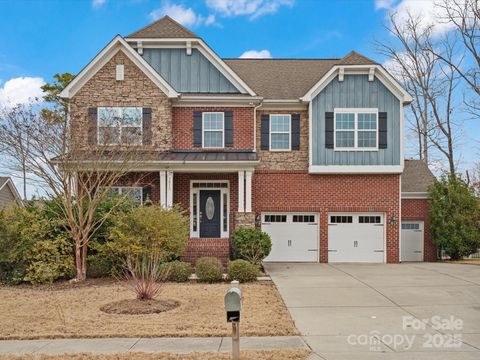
(339, 219)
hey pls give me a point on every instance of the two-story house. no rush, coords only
(310, 150)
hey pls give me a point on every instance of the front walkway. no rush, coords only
(384, 311)
(149, 345)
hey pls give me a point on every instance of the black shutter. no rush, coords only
(265, 133)
(147, 126)
(197, 128)
(228, 129)
(295, 131)
(329, 132)
(147, 195)
(92, 126)
(382, 130)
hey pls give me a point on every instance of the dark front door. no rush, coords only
(210, 213)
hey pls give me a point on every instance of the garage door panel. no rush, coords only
(412, 241)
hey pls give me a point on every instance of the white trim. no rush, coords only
(248, 191)
(356, 130)
(355, 169)
(380, 73)
(241, 191)
(210, 130)
(414, 195)
(223, 234)
(104, 56)
(120, 72)
(13, 189)
(310, 135)
(280, 132)
(169, 189)
(163, 189)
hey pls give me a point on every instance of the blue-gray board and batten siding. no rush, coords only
(355, 91)
(188, 73)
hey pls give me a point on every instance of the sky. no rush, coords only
(43, 37)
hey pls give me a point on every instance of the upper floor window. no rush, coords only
(280, 132)
(356, 129)
(117, 125)
(213, 129)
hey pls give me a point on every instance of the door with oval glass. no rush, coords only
(210, 214)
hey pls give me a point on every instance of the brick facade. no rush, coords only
(417, 209)
(242, 127)
(136, 90)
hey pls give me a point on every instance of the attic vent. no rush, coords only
(120, 72)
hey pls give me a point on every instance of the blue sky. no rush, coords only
(40, 38)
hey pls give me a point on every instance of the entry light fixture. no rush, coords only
(393, 220)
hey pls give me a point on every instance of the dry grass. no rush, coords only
(287, 354)
(69, 311)
(463, 261)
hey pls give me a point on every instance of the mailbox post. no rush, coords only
(233, 307)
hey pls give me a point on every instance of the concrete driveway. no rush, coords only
(384, 311)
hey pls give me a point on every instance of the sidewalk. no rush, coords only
(149, 345)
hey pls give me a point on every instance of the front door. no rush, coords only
(210, 213)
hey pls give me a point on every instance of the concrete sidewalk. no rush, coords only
(149, 345)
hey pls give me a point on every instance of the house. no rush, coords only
(9, 195)
(310, 150)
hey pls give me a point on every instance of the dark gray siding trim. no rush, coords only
(188, 73)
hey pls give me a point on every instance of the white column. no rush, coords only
(248, 191)
(163, 189)
(169, 189)
(241, 190)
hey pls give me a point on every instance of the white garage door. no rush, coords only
(356, 237)
(294, 236)
(412, 241)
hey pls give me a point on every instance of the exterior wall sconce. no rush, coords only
(258, 220)
(393, 220)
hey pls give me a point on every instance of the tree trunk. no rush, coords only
(78, 261)
(84, 260)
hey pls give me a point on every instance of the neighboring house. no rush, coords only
(310, 150)
(8, 193)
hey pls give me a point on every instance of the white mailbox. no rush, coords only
(233, 304)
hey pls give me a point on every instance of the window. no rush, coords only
(119, 126)
(280, 132)
(356, 129)
(410, 226)
(132, 193)
(275, 218)
(341, 219)
(304, 218)
(213, 129)
(369, 219)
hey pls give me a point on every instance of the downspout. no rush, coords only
(255, 126)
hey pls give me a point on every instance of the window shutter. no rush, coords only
(265, 133)
(295, 131)
(228, 128)
(147, 126)
(382, 130)
(329, 132)
(197, 128)
(147, 195)
(92, 126)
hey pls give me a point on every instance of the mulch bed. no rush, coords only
(139, 307)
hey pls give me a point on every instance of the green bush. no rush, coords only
(209, 269)
(98, 266)
(242, 271)
(454, 214)
(178, 271)
(251, 244)
(149, 229)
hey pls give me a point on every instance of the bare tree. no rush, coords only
(431, 83)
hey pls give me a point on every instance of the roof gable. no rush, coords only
(354, 58)
(6, 184)
(165, 27)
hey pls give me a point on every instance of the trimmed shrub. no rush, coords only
(252, 245)
(98, 266)
(242, 271)
(179, 271)
(209, 269)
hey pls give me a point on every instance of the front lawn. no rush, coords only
(67, 310)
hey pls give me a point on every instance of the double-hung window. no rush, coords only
(118, 125)
(280, 132)
(213, 129)
(133, 193)
(356, 129)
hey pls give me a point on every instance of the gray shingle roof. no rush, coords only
(165, 27)
(416, 176)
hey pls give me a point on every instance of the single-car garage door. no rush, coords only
(294, 236)
(412, 241)
(356, 237)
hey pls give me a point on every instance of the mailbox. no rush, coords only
(233, 304)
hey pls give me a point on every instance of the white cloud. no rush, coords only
(183, 15)
(251, 8)
(98, 3)
(256, 54)
(21, 90)
(423, 9)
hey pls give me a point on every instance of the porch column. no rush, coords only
(163, 189)
(241, 190)
(248, 191)
(169, 189)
